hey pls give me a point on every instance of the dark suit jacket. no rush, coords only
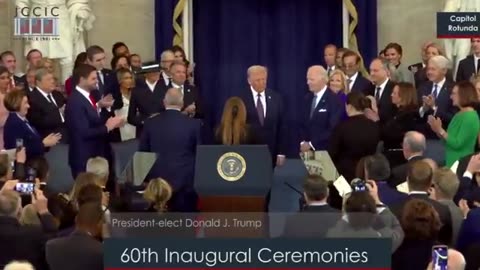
(421, 77)
(388, 195)
(144, 103)
(394, 130)
(23, 243)
(413, 254)
(313, 221)
(386, 109)
(21, 81)
(112, 87)
(472, 258)
(469, 231)
(445, 234)
(399, 173)
(466, 69)
(44, 115)
(325, 117)
(273, 132)
(174, 138)
(79, 251)
(15, 128)
(351, 140)
(87, 132)
(191, 95)
(445, 108)
(361, 84)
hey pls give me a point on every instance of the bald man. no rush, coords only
(322, 111)
(174, 137)
(382, 90)
(265, 113)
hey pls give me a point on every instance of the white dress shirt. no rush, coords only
(475, 62)
(166, 79)
(100, 77)
(382, 88)
(352, 81)
(263, 99)
(151, 86)
(54, 102)
(319, 95)
(127, 131)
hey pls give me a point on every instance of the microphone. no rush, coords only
(301, 201)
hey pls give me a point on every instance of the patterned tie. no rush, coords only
(313, 106)
(377, 93)
(260, 110)
(435, 90)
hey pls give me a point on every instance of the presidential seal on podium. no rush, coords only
(231, 166)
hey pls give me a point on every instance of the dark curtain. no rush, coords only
(163, 25)
(366, 30)
(287, 36)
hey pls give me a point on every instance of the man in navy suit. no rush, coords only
(382, 89)
(87, 131)
(174, 137)
(322, 111)
(351, 66)
(436, 101)
(469, 67)
(265, 113)
(192, 105)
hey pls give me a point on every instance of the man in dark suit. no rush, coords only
(377, 169)
(166, 60)
(8, 60)
(413, 146)
(47, 106)
(419, 181)
(322, 111)
(317, 217)
(25, 243)
(467, 172)
(265, 113)
(192, 105)
(329, 55)
(351, 66)
(87, 132)
(82, 249)
(174, 137)
(147, 97)
(469, 67)
(436, 101)
(382, 89)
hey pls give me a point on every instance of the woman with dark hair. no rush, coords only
(233, 129)
(404, 97)
(354, 138)
(421, 225)
(71, 82)
(179, 53)
(400, 73)
(4, 89)
(461, 136)
(120, 61)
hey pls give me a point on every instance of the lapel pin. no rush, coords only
(269, 97)
(188, 90)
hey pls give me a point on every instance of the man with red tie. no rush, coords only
(87, 132)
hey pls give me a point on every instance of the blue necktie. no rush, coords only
(435, 90)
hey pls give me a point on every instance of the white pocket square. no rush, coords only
(322, 110)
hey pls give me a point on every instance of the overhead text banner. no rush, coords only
(165, 253)
(458, 25)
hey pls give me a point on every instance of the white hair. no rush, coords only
(16, 265)
(439, 61)
(98, 166)
(256, 68)
(173, 98)
(164, 54)
(320, 71)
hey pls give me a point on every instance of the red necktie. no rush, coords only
(94, 103)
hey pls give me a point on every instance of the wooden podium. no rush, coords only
(232, 182)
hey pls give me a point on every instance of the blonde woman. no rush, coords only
(157, 194)
(339, 85)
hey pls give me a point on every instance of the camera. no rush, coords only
(359, 185)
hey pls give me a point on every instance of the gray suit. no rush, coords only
(457, 218)
(78, 251)
(391, 229)
(402, 74)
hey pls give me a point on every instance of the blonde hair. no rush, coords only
(29, 216)
(98, 166)
(446, 182)
(343, 78)
(158, 193)
(82, 180)
(232, 129)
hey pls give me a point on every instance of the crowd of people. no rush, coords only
(408, 134)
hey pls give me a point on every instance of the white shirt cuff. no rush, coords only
(281, 156)
(310, 143)
(421, 112)
(468, 174)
